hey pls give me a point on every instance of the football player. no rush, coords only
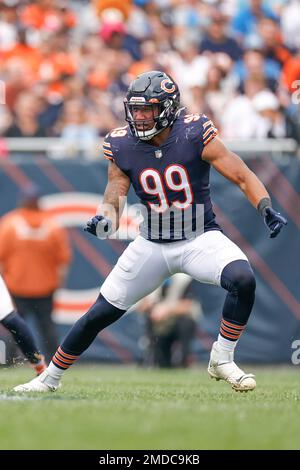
(166, 155)
(19, 330)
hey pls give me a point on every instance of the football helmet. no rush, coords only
(158, 91)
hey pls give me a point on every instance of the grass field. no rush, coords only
(128, 408)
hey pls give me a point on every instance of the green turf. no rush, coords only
(128, 408)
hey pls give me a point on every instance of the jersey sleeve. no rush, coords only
(201, 130)
(108, 149)
(208, 130)
(115, 146)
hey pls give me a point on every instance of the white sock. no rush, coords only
(55, 374)
(225, 344)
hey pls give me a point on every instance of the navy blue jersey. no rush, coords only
(172, 175)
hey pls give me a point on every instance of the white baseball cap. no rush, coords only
(265, 100)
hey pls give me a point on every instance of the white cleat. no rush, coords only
(38, 384)
(226, 369)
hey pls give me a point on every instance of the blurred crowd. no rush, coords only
(66, 65)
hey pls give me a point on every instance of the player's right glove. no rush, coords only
(273, 220)
(99, 226)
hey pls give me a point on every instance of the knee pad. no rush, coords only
(238, 277)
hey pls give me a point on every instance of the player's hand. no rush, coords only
(99, 226)
(274, 221)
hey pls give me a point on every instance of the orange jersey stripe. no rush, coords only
(107, 152)
(207, 123)
(210, 138)
(206, 133)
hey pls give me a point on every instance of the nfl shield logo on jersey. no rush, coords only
(158, 153)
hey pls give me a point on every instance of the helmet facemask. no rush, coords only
(162, 116)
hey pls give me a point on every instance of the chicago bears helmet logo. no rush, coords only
(167, 85)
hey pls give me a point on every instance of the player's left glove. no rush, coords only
(99, 226)
(273, 220)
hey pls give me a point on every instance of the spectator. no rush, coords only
(26, 123)
(75, 123)
(19, 67)
(278, 123)
(254, 63)
(90, 51)
(218, 40)
(34, 254)
(273, 46)
(171, 322)
(291, 72)
(219, 92)
(190, 18)
(116, 37)
(246, 20)
(48, 15)
(290, 24)
(8, 30)
(234, 124)
(189, 70)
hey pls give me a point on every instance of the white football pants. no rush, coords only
(144, 265)
(6, 305)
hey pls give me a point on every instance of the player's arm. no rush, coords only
(232, 167)
(108, 215)
(114, 195)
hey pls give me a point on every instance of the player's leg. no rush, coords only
(41, 310)
(238, 279)
(19, 330)
(139, 270)
(215, 259)
(163, 350)
(185, 333)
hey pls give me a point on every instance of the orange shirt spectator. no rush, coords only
(34, 255)
(24, 53)
(291, 72)
(103, 7)
(34, 252)
(53, 18)
(54, 65)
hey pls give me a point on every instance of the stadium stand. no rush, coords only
(66, 65)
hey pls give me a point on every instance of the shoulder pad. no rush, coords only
(201, 127)
(111, 139)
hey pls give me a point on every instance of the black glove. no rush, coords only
(99, 226)
(274, 221)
